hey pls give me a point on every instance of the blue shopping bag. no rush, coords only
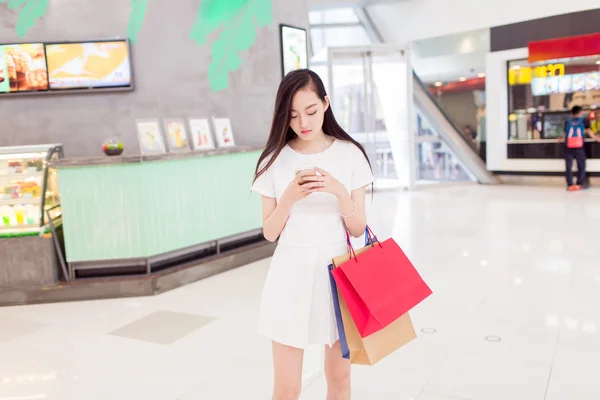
(338, 316)
(336, 304)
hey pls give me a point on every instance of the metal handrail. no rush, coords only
(59, 253)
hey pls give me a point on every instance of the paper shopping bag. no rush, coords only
(374, 348)
(379, 285)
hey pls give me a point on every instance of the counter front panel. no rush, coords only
(538, 149)
(136, 210)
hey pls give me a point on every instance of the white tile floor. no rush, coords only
(515, 262)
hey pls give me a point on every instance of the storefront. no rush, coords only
(531, 92)
(541, 96)
(142, 224)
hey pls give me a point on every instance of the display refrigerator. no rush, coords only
(29, 191)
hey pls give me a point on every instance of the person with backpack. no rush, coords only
(575, 130)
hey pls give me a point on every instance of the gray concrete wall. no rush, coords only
(170, 72)
(27, 262)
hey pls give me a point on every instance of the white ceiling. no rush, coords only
(449, 68)
(407, 21)
(451, 57)
(317, 4)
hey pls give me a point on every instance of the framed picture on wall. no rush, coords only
(150, 136)
(201, 134)
(223, 132)
(177, 136)
(294, 48)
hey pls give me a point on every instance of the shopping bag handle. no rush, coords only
(370, 239)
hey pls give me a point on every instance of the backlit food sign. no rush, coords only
(524, 75)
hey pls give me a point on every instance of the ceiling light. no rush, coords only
(481, 75)
(518, 281)
(552, 320)
(462, 79)
(589, 327)
(516, 67)
(439, 84)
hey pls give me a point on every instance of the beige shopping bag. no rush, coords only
(375, 347)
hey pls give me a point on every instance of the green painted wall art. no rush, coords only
(29, 12)
(136, 18)
(239, 20)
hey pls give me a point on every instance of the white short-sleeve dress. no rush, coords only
(297, 307)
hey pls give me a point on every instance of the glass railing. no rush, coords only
(443, 112)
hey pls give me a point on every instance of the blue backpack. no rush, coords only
(575, 132)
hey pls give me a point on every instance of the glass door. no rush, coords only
(370, 89)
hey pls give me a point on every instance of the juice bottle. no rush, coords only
(5, 215)
(33, 215)
(19, 214)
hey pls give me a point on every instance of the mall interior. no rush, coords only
(132, 255)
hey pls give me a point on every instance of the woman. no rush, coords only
(312, 177)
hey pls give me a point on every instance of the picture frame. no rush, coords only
(177, 135)
(223, 132)
(294, 48)
(201, 134)
(150, 137)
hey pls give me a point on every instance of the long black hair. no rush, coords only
(281, 132)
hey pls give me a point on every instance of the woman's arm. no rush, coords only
(275, 217)
(352, 208)
(276, 213)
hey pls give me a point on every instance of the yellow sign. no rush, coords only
(524, 75)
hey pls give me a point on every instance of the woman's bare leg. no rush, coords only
(337, 373)
(287, 364)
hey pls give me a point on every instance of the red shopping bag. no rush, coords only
(379, 285)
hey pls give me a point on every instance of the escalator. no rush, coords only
(450, 133)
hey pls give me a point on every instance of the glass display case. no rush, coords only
(28, 188)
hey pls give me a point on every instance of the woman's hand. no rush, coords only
(324, 183)
(294, 193)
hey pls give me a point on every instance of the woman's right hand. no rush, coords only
(294, 192)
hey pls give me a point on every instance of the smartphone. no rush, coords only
(306, 172)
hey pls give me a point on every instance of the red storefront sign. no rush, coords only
(555, 49)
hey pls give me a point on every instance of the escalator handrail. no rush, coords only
(445, 115)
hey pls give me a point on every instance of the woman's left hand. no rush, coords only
(324, 183)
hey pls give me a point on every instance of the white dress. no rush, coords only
(297, 308)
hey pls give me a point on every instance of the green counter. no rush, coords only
(134, 208)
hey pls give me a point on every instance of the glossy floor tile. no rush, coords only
(515, 315)
(434, 396)
(162, 327)
(11, 328)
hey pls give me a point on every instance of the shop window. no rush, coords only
(542, 94)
